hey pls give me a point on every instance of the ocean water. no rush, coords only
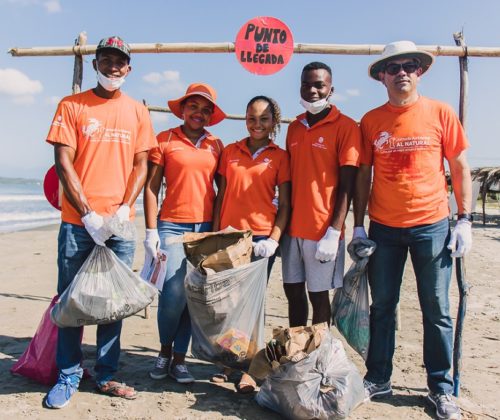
(23, 205)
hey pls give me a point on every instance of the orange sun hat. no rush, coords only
(200, 89)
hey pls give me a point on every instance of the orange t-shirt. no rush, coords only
(189, 173)
(406, 146)
(105, 134)
(251, 186)
(316, 155)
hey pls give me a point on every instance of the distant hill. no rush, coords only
(14, 181)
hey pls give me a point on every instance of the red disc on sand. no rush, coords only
(264, 45)
(51, 187)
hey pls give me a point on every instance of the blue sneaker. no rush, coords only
(61, 392)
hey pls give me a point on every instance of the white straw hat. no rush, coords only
(400, 49)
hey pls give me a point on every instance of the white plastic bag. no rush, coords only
(104, 290)
(350, 304)
(323, 385)
(227, 313)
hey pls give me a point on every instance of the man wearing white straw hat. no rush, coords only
(406, 141)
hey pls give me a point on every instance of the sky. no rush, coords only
(30, 87)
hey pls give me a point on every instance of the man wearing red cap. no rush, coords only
(405, 141)
(101, 139)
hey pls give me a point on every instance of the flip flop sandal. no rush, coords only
(246, 385)
(117, 389)
(219, 378)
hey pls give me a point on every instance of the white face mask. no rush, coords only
(110, 84)
(315, 107)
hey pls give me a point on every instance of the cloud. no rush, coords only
(52, 6)
(24, 100)
(167, 83)
(353, 92)
(17, 85)
(337, 97)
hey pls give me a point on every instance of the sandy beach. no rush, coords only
(29, 272)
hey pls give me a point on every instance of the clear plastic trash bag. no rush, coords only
(125, 230)
(350, 304)
(323, 385)
(104, 290)
(227, 313)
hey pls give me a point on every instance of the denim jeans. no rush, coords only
(272, 258)
(174, 323)
(74, 246)
(432, 264)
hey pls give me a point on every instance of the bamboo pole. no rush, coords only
(228, 47)
(153, 108)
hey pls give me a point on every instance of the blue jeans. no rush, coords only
(257, 238)
(432, 264)
(74, 246)
(174, 323)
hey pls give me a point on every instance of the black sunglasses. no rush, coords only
(395, 68)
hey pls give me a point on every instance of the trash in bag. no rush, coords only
(38, 361)
(288, 344)
(324, 384)
(350, 304)
(227, 313)
(218, 251)
(125, 230)
(104, 290)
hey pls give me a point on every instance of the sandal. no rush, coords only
(246, 385)
(117, 389)
(221, 377)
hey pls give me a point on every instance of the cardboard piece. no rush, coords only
(218, 251)
(296, 342)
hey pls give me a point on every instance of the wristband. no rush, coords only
(466, 216)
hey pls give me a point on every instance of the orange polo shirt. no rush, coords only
(251, 186)
(189, 173)
(105, 134)
(406, 146)
(316, 155)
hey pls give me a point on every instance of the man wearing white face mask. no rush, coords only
(324, 154)
(101, 139)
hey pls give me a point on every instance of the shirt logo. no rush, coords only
(319, 143)
(92, 128)
(95, 132)
(383, 138)
(58, 122)
(387, 143)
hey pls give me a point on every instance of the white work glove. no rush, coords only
(151, 245)
(265, 248)
(461, 238)
(94, 223)
(359, 233)
(328, 245)
(123, 213)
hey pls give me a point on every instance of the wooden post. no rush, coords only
(78, 67)
(464, 78)
(463, 286)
